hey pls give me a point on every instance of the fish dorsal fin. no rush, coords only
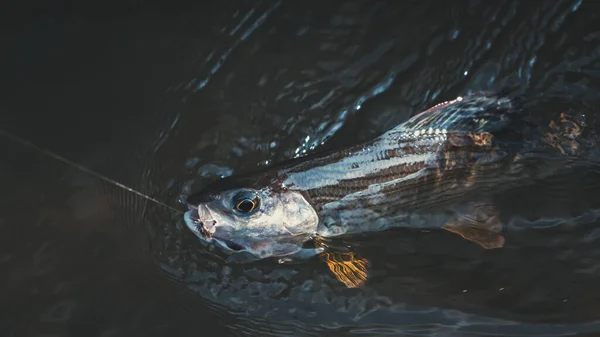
(475, 113)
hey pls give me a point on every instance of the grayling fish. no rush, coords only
(435, 170)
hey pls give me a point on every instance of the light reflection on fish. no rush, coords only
(436, 170)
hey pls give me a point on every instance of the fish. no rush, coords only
(436, 170)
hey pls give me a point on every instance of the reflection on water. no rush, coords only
(191, 94)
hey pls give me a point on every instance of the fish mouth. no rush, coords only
(198, 228)
(221, 235)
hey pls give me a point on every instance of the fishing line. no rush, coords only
(84, 169)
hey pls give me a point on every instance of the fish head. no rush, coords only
(262, 221)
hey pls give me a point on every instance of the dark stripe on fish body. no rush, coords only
(429, 160)
(417, 159)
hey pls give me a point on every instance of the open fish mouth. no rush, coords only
(222, 236)
(211, 235)
(198, 227)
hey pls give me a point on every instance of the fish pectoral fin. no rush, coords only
(347, 268)
(480, 224)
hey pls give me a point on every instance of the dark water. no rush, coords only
(165, 97)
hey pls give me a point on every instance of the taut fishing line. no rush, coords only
(83, 168)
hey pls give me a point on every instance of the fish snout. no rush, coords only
(206, 227)
(204, 221)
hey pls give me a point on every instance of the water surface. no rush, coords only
(167, 97)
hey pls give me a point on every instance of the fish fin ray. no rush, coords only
(479, 224)
(475, 113)
(348, 268)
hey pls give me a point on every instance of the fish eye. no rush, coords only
(246, 202)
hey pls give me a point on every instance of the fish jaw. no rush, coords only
(280, 228)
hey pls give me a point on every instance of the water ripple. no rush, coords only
(352, 71)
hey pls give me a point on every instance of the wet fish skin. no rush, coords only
(423, 173)
(407, 175)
